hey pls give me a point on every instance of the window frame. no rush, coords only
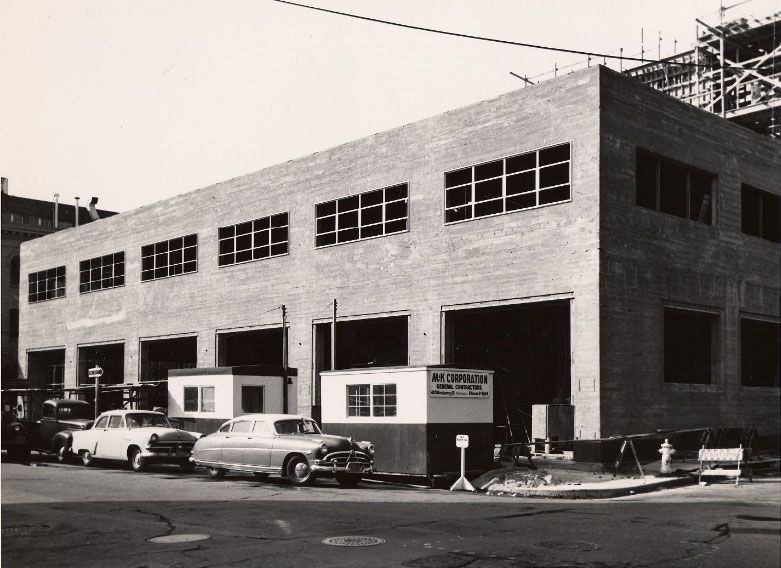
(658, 190)
(44, 276)
(201, 398)
(359, 227)
(101, 268)
(472, 184)
(741, 366)
(716, 349)
(253, 231)
(371, 405)
(262, 399)
(763, 198)
(167, 251)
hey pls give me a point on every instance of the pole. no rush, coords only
(77, 213)
(333, 339)
(285, 395)
(97, 395)
(723, 93)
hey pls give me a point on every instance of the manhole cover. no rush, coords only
(353, 541)
(176, 538)
(20, 530)
(576, 545)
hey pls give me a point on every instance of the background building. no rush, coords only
(591, 240)
(24, 219)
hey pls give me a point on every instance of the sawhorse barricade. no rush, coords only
(722, 455)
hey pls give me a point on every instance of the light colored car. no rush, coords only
(283, 444)
(138, 436)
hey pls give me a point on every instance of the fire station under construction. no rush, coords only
(609, 252)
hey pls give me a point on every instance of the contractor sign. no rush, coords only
(459, 384)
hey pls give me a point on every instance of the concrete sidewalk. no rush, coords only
(517, 482)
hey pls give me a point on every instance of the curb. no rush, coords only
(607, 493)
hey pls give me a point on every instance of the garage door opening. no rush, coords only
(111, 358)
(160, 355)
(46, 369)
(377, 342)
(258, 347)
(527, 346)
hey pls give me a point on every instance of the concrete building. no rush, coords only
(593, 241)
(24, 219)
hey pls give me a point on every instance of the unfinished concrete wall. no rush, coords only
(512, 257)
(651, 259)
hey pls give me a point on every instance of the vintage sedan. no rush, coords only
(283, 444)
(139, 437)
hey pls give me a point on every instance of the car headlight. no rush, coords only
(17, 427)
(323, 449)
(369, 448)
(153, 439)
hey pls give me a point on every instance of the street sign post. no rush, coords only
(462, 484)
(95, 373)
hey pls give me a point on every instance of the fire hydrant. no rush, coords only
(667, 452)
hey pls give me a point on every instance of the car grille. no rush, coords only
(341, 458)
(171, 447)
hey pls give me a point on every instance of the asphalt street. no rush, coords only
(68, 515)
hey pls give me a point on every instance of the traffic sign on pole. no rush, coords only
(96, 372)
(462, 441)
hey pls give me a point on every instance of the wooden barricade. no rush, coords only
(713, 456)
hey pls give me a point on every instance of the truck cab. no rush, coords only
(60, 416)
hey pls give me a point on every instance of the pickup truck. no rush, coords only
(59, 418)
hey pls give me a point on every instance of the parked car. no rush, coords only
(59, 418)
(15, 439)
(138, 436)
(283, 444)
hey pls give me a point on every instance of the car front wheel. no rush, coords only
(136, 461)
(87, 458)
(298, 471)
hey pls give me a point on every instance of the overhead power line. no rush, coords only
(507, 41)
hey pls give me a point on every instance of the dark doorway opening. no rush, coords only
(378, 342)
(111, 358)
(160, 355)
(527, 347)
(258, 347)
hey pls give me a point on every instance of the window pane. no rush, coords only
(371, 198)
(521, 183)
(759, 353)
(190, 399)
(348, 220)
(489, 208)
(554, 154)
(523, 201)
(700, 196)
(458, 177)
(672, 189)
(522, 162)
(371, 215)
(553, 195)
(396, 192)
(348, 203)
(771, 217)
(207, 399)
(326, 224)
(458, 195)
(554, 175)
(489, 170)
(688, 340)
(395, 210)
(488, 190)
(323, 209)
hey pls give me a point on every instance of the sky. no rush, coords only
(134, 102)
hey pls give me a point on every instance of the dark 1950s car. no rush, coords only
(283, 444)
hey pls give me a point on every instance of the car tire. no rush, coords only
(136, 460)
(260, 476)
(87, 458)
(298, 471)
(216, 472)
(348, 480)
(63, 454)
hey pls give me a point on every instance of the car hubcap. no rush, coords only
(301, 470)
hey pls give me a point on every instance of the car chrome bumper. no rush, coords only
(166, 454)
(320, 466)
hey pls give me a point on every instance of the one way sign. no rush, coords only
(96, 372)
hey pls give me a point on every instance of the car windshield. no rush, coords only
(147, 420)
(76, 411)
(297, 426)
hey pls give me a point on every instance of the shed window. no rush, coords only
(525, 181)
(371, 400)
(676, 189)
(358, 400)
(363, 216)
(253, 240)
(169, 258)
(760, 213)
(207, 399)
(688, 346)
(46, 285)
(191, 399)
(760, 353)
